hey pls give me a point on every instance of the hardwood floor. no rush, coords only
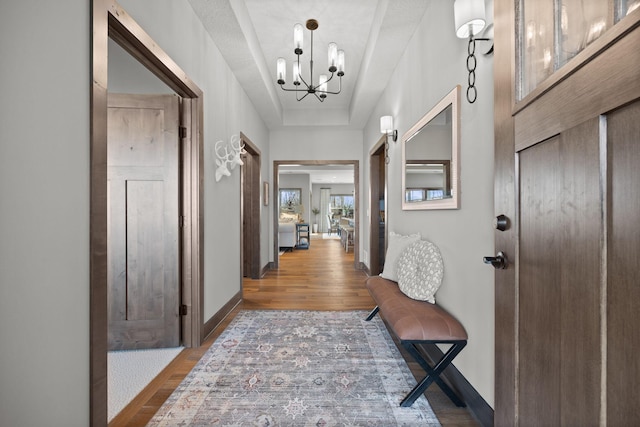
(320, 278)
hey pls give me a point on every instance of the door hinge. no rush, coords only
(181, 221)
(183, 310)
(182, 131)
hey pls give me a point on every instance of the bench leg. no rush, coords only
(373, 313)
(433, 374)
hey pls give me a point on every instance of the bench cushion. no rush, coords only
(410, 319)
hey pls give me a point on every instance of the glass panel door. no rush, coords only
(552, 32)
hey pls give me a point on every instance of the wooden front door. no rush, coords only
(143, 226)
(567, 156)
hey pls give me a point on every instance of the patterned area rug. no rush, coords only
(298, 368)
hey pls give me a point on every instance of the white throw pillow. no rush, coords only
(420, 271)
(397, 243)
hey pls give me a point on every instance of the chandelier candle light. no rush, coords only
(336, 66)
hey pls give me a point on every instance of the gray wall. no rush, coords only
(227, 111)
(313, 143)
(44, 203)
(433, 63)
(44, 207)
(44, 187)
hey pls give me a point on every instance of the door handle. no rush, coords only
(499, 261)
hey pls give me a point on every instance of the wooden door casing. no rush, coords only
(143, 209)
(377, 193)
(250, 209)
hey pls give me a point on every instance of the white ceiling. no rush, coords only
(252, 34)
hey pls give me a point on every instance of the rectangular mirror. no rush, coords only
(430, 158)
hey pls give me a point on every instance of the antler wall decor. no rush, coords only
(238, 150)
(231, 157)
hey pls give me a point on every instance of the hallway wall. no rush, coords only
(44, 187)
(44, 207)
(316, 143)
(433, 63)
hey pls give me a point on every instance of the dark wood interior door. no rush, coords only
(567, 159)
(377, 206)
(251, 189)
(143, 226)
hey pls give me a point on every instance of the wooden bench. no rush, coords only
(415, 323)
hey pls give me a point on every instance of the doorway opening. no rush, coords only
(111, 22)
(281, 165)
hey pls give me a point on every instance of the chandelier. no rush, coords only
(336, 66)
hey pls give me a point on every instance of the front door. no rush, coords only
(567, 156)
(143, 221)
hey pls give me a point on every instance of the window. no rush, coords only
(422, 194)
(341, 201)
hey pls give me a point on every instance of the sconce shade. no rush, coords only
(386, 124)
(386, 127)
(469, 17)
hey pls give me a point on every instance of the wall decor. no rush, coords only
(228, 159)
(265, 190)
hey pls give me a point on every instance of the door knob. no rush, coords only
(499, 261)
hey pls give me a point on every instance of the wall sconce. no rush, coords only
(386, 127)
(469, 18)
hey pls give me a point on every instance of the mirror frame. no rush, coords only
(451, 99)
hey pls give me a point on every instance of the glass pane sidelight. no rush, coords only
(552, 32)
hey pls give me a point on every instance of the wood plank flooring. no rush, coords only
(320, 278)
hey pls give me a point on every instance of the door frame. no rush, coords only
(110, 20)
(250, 212)
(381, 148)
(356, 201)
